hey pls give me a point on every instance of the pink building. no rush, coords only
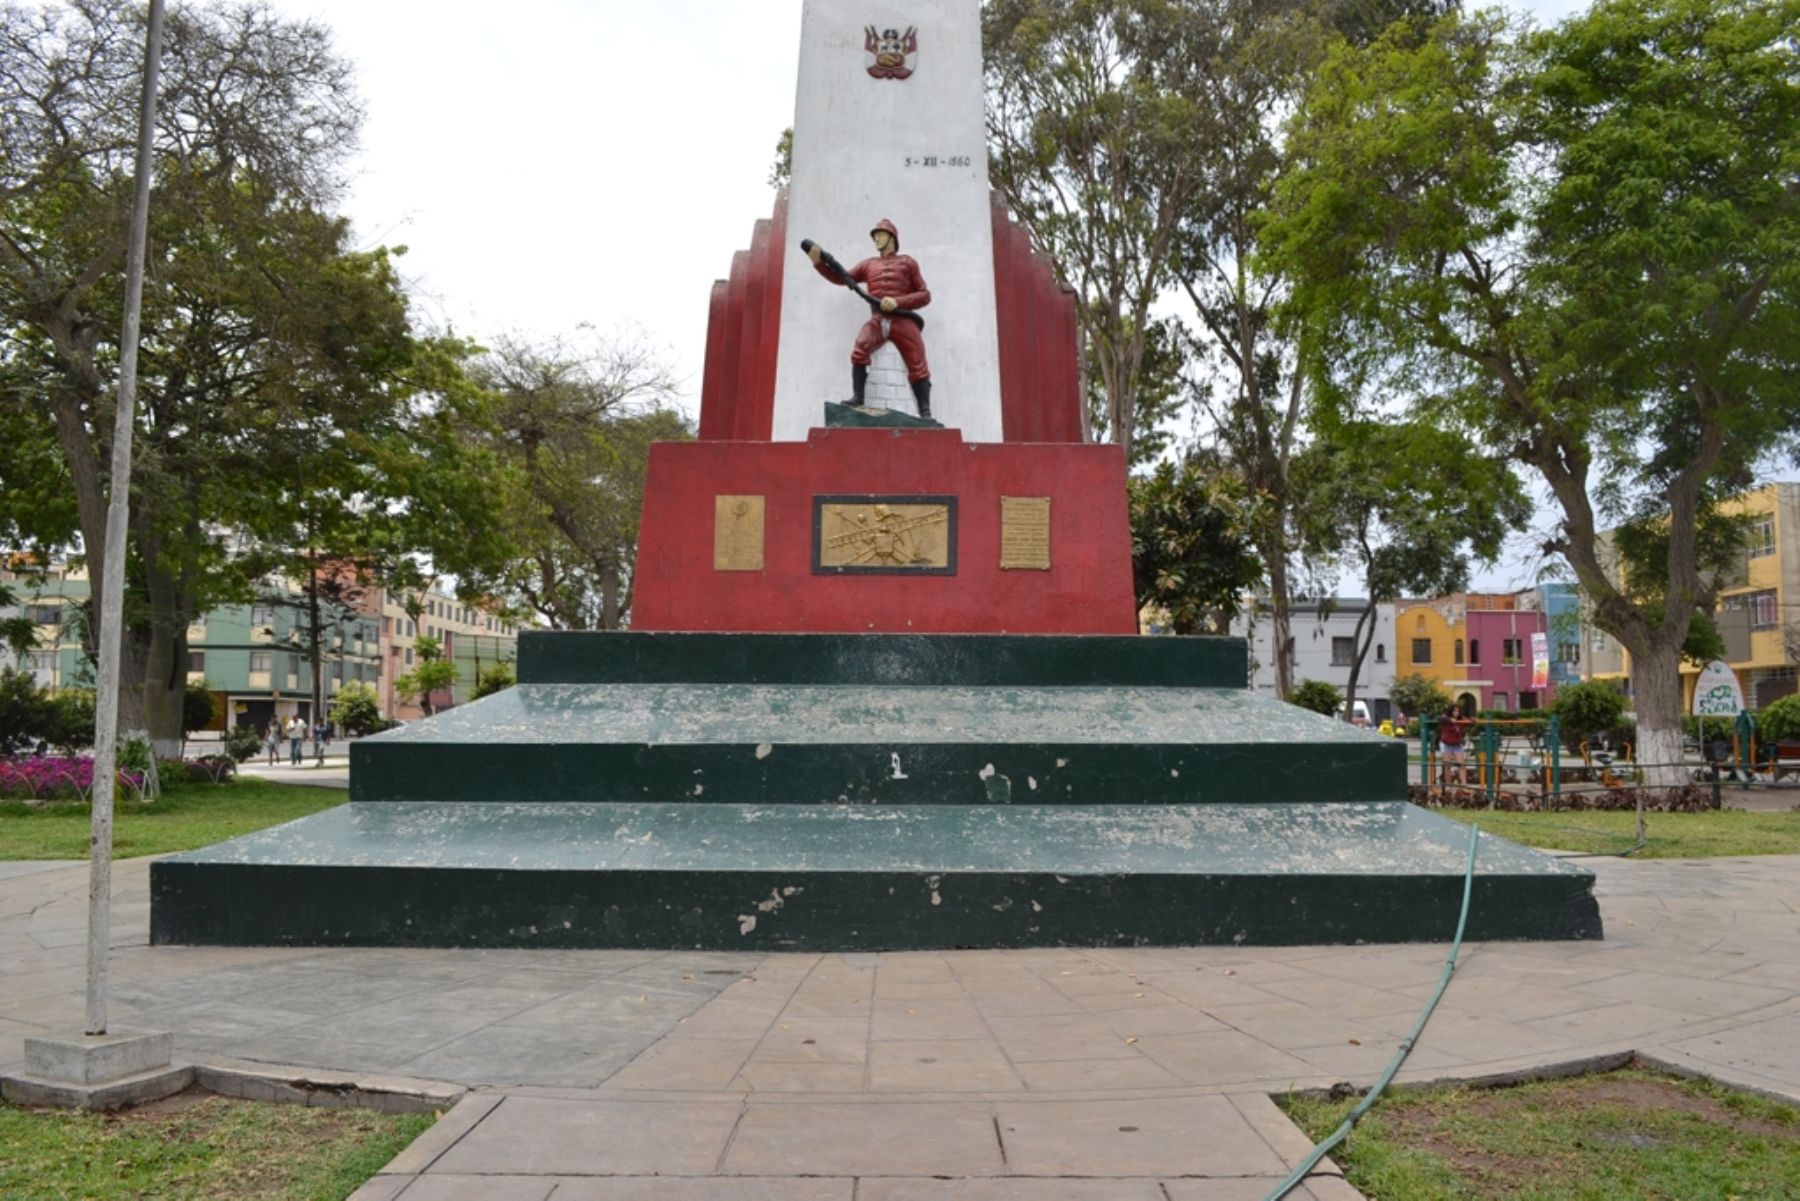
(1498, 667)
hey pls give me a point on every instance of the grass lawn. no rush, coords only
(1591, 1138)
(194, 815)
(198, 1146)
(1672, 835)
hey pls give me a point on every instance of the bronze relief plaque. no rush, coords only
(884, 535)
(737, 533)
(1025, 533)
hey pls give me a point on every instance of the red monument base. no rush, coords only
(890, 531)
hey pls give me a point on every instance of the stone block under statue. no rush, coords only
(1028, 538)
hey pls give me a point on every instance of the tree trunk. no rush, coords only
(1360, 638)
(1279, 623)
(609, 596)
(164, 691)
(1656, 689)
(315, 635)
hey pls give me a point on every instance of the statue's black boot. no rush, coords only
(859, 382)
(921, 389)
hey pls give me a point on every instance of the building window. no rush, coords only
(1763, 610)
(197, 661)
(46, 615)
(1568, 652)
(387, 625)
(262, 661)
(1381, 652)
(1459, 653)
(1343, 652)
(262, 615)
(1421, 650)
(1762, 536)
(411, 629)
(1475, 650)
(409, 656)
(1512, 652)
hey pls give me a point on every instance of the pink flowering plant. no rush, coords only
(55, 778)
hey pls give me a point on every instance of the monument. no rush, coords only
(884, 687)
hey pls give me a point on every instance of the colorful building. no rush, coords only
(256, 658)
(1477, 646)
(1758, 613)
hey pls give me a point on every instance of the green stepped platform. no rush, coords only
(861, 792)
(847, 742)
(830, 877)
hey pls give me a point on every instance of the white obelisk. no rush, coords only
(914, 151)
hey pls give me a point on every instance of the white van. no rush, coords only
(1358, 717)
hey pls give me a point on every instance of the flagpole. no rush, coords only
(112, 580)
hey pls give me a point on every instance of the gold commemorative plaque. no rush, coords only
(1025, 533)
(737, 533)
(884, 535)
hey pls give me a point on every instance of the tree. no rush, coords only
(1090, 139)
(1587, 710)
(1406, 506)
(356, 710)
(1581, 246)
(252, 108)
(1190, 545)
(1420, 696)
(199, 708)
(489, 680)
(434, 674)
(572, 422)
(288, 410)
(24, 710)
(1319, 696)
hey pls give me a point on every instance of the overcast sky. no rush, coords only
(554, 163)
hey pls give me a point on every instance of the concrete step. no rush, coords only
(907, 744)
(859, 877)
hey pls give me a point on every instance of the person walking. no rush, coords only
(296, 732)
(273, 737)
(1453, 742)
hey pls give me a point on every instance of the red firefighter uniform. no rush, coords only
(896, 275)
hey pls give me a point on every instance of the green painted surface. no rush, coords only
(887, 660)
(862, 417)
(811, 744)
(859, 877)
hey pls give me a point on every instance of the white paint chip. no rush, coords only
(764, 750)
(746, 922)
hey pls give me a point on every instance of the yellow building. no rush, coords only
(1432, 639)
(1758, 613)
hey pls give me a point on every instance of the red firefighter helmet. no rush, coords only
(887, 226)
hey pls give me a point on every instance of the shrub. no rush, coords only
(72, 721)
(1780, 721)
(1318, 696)
(24, 711)
(1420, 696)
(243, 744)
(1585, 711)
(356, 710)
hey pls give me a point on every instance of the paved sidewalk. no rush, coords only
(981, 1076)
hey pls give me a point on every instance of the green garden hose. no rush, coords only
(1406, 1044)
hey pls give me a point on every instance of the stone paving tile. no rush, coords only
(1709, 998)
(875, 1189)
(1253, 1188)
(942, 1138)
(479, 1188)
(763, 1076)
(915, 1018)
(1208, 989)
(1290, 1024)
(1167, 1018)
(536, 1135)
(520, 1055)
(1167, 1136)
(1769, 1048)
(1610, 1023)
(702, 1064)
(1081, 1075)
(798, 1039)
(1224, 1057)
(711, 1188)
(941, 1067)
(1058, 1036)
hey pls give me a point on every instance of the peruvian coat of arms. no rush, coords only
(892, 51)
